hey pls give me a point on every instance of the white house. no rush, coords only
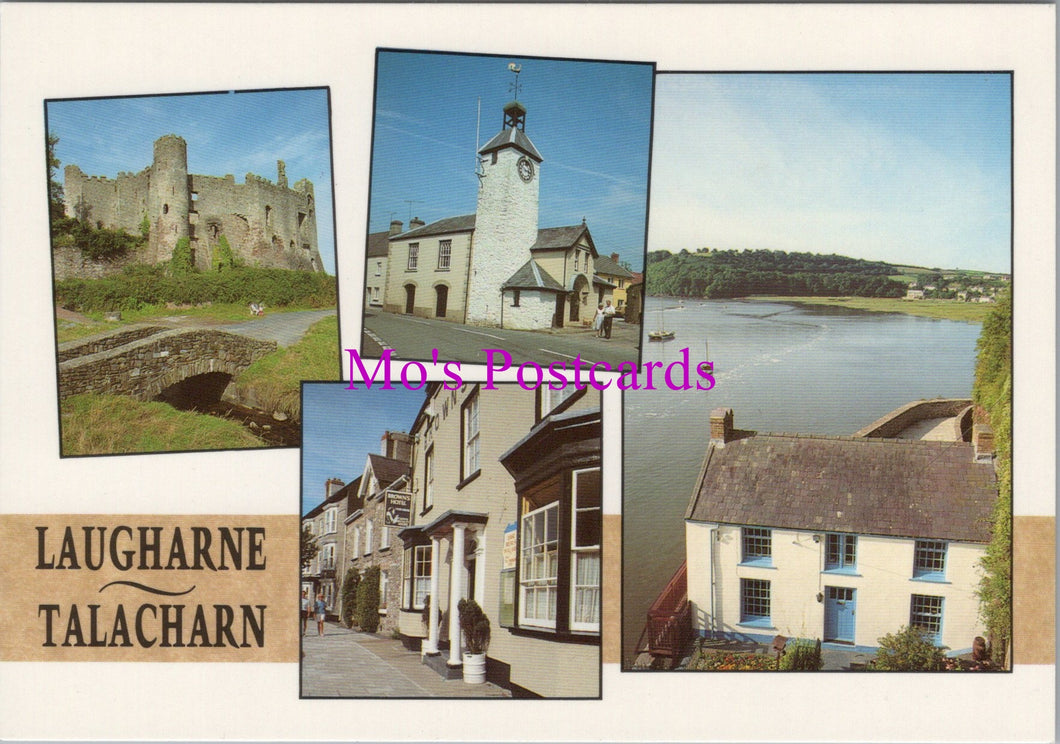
(845, 539)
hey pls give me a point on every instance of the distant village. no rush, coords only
(957, 285)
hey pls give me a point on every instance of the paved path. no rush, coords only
(349, 664)
(416, 338)
(283, 328)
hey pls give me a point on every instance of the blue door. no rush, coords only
(839, 614)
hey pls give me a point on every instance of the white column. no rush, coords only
(435, 612)
(456, 589)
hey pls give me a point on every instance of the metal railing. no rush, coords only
(668, 629)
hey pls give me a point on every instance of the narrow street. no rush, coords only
(346, 663)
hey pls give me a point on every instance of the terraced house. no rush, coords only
(845, 539)
(507, 512)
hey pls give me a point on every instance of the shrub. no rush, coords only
(802, 655)
(182, 262)
(145, 228)
(474, 625)
(367, 611)
(911, 649)
(349, 596)
(222, 257)
(724, 661)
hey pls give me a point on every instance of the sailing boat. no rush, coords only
(661, 334)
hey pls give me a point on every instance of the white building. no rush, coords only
(845, 539)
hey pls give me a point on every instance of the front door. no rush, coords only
(441, 300)
(410, 298)
(839, 606)
(557, 319)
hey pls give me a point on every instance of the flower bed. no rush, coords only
(727, 661)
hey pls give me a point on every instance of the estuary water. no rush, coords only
(781, 368)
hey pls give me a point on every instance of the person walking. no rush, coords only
(321, 609)
(598, 320)
(609, 318)
(307, 610)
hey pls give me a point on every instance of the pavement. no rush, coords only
(346, 663)
(417, 338)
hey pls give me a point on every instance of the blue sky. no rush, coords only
(907, 168)
(226, 133)
(341, 427)
(591, 122)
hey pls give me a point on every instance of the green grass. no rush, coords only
(971, 312)
(273, 382)
(115, 424)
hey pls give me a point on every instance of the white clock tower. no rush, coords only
(506, 216)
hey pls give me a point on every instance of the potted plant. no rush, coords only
(475, 627)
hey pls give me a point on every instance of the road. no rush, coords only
(283, 328)
(417, 338)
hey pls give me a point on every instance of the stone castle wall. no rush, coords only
(265, 223)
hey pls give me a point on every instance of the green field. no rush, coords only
(115, 424)
(971, 312)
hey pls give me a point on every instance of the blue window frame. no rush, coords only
(757, 546)
(925, 612)
(841, 553)
(929, 561)
(755, 602)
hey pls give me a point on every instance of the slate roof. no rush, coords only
(512, 138)
(890, 487)
(387, 470)
(558, 238)
(377, 244)
(532, 276)
(461, 223)
(604, 265)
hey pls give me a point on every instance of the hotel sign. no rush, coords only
(397, 510)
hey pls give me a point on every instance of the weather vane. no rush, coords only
(514, 86)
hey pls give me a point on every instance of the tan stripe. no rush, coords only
(611, 639)
(1034, 590)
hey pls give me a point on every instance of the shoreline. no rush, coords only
(967, 312)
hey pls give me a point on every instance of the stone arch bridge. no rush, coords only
(144, 362)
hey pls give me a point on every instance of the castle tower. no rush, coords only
(506, 217)
(168, 199)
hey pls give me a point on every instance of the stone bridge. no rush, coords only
(144, 362)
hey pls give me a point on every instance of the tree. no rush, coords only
(309, 547)
(992, 393)
(368, 600)
(911, 649)
(349, 596)
(56, 210)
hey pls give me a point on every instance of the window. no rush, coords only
(378, 268)
(553, 399)
(428, 479)
(471, 436)
(577, 259)
(929, 562)
(356, 542)
(585, 547)
(841, 552)
(926, 612)
(328, 561)
(414, 255)
(417, 576)
(445, 251)
(757, 546)
(384, 585)
(368, 537)
(754, 602)
(329, 521)
(384, 537)
(540, 566)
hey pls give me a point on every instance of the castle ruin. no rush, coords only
(266, 224)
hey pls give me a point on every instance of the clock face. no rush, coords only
(526, 169)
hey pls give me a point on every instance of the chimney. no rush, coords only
(395, 227)
(331, 487)
(720, 426)
(416, 222)
(982, 443)
(614, 257)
